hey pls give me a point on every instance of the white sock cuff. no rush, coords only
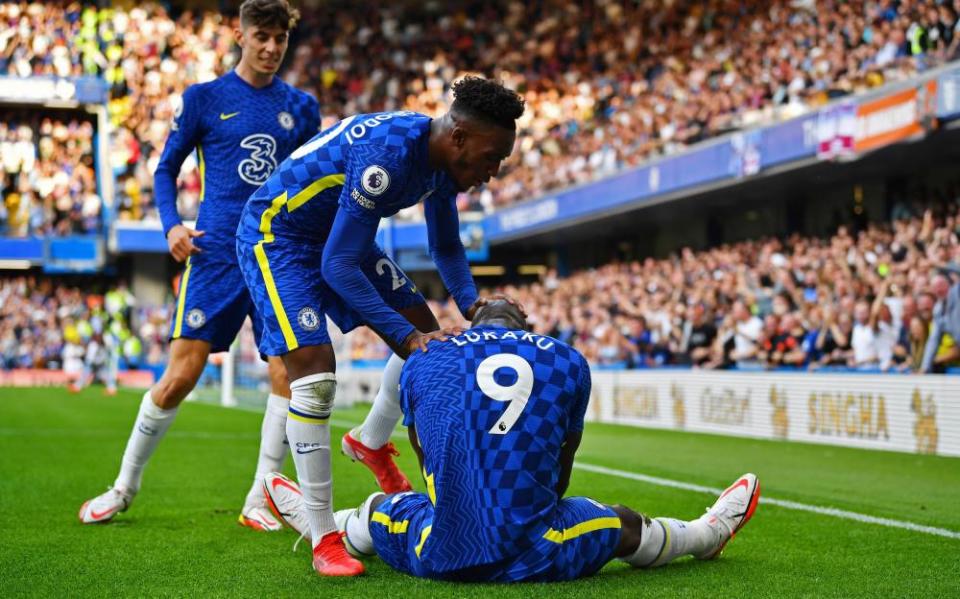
(654, 544)
(312, 397)
(277, 405)
(152, 410)
(318, 377)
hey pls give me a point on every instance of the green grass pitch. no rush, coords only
(180, 538)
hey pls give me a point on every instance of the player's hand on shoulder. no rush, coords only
(484, 300)
(417, 340)
(180, 242)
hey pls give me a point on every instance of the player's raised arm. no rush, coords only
(184, 135)
(446, 249)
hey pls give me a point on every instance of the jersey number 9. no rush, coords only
(516, 394)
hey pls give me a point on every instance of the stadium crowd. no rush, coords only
(48, 324)
(608, 84)
(855, 300)
(47, 177)
(861, 301)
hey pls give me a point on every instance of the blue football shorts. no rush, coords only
(212, 303)
(582, 537)
(287, 286)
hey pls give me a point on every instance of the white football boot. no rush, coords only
(258, 517)
(731, 512)
(103, 508)
(286, 502)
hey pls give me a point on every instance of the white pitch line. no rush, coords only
(784, 503)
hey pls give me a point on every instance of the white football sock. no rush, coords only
(386, 413)
(150, 426)
(308, 432)
(664, 539)
(273, 446)
(356, 524)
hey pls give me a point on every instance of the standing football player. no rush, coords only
(496, 415)
(306, 247)
(241, 126)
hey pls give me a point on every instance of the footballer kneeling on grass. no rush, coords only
(497, 463)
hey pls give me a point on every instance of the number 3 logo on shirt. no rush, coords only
(256, 169)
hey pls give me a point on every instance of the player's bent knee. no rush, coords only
(314, 394)
(631, 528)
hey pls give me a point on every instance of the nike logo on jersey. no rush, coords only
(224, 116)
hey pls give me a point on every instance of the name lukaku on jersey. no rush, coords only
(543, 343)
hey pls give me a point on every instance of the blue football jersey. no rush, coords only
(492, 408)
(371, 165)
(240, 133)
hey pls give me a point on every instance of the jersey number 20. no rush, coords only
(516, 394)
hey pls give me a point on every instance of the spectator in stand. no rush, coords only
(748, 330)
(942, 349)
(699, 336)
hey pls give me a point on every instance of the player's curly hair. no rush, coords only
(268, 13)
(487, 100)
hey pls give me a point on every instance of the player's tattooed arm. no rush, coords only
(567, 452)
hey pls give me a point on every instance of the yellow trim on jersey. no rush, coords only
(203, 171)
(266, 227)
(423, 539)
(181, 300)
(310, 191)
(431, 489)
(288, 335)
(267, 217)
(392, 527)
(562, 536)
(306, 420)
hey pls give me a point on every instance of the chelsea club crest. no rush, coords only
(308, 319)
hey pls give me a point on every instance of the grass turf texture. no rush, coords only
(180, 538)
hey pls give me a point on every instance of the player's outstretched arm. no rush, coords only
(350, 239)
(446, 249)
(185, 134)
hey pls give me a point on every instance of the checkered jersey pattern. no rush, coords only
(494, 492)
(241, 134)
(371, 165)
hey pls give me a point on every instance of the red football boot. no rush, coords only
(380, 461)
